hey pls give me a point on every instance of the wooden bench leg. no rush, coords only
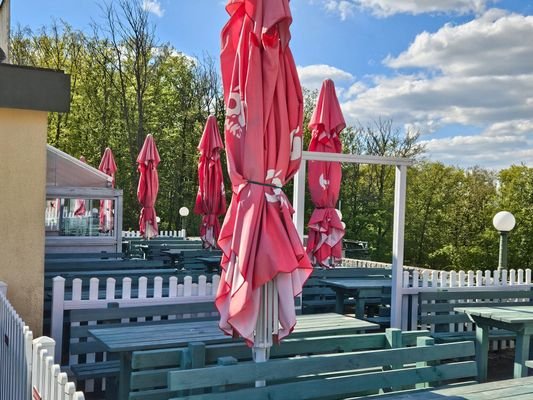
(360, 308)
(339, 302)
(521, 355)
(425, 341)
(482, 351)
(124, 376)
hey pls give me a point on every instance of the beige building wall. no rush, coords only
(22, 194)
(5, 26)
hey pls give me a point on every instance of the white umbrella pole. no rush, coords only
(267, 325)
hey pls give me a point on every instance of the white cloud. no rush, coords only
(386, 8)
(499, 146)
(154, 7)
(485, 76)
(493, 44)
(478, 75)
(312, 76)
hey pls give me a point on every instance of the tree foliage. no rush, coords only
(124, 85)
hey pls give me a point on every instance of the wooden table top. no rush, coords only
(210, 259)
(521, 388)
(179, 334)
(507, 314)
(357, 283)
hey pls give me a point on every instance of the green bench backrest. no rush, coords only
(305, 377)
(316, 295)
(150, 367)
(81, 321)
(436, 308)
(76, 256)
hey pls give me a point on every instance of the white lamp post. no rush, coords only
(504, 222)
(184, 211)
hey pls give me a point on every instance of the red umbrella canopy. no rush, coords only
(264, 109)
(326, 231)
(211, 198)
(148, 159)
(108, 167)
(79, 204)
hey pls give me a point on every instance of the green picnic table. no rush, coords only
(516, 389)
(123, 340)
(360, 289)
(518, 319)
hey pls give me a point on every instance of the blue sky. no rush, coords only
(460, 71)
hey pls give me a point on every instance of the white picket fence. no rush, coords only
(27, 370)
(48, 382)
(174, 234)
(102, 292)
(418, 281)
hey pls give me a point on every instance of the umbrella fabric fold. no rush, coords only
(211, 197)
(264, 264)
(324, 243)
(79, 204)
(148, 160)
(108, 167)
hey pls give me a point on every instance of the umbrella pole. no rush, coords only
(266, 326)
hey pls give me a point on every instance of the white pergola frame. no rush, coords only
(400, 186)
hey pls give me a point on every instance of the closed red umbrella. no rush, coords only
(148, 159)
(108, 167)
(79, 204)
(264, 264)
(324, 243)
(211, 198)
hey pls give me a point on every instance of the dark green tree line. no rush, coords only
(125, 85)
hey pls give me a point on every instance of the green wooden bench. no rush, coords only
(330, 376)
(148, 380)
(133, 247)
(87, 358)
(436, 311)
(188, 261)
(70, 265)
(153, 250)
(318, 298)
(84, 256)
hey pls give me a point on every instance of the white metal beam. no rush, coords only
(355, 158)
(400, 186)
(298, 199)
(400, 190)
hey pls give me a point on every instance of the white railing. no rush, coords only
(169, 292)
(356, 263)
(27, 370)
(14, 357)
(48, 382)
(137, 234)
(416, 282)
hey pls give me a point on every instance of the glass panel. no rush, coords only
(79, 217)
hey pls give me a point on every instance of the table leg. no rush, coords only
(124, 376)
(521, 355)
(482, 351)
(339, 302)
(359, 308)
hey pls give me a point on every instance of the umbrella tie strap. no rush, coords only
(264, 184)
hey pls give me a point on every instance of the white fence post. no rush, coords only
(58, 302)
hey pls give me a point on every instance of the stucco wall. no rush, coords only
(22, 194)
(5, 26)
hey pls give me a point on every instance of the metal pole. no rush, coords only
(502, 259)
(400, 189)
(298, 199)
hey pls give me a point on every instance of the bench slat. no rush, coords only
(344, 385)
(290, 368)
